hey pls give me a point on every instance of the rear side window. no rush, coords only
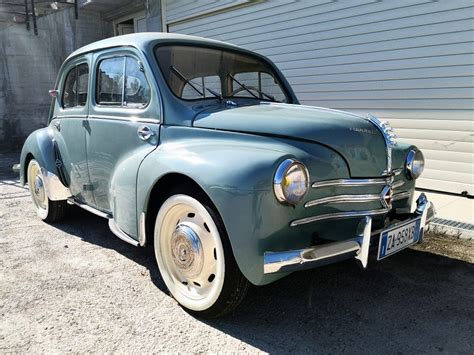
(74, 91)
(121, 82)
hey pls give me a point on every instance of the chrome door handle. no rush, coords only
(57, 125)
(145, 133)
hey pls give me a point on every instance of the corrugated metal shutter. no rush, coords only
(410, 62)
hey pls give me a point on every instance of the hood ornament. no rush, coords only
(390, 139)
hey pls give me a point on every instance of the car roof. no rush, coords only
(144, 39)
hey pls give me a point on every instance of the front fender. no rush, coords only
(236, 172)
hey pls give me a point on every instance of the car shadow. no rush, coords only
(412, 302)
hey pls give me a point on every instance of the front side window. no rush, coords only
(121, 82)
(75, 87)
(194, 72)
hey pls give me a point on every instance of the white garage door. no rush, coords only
(409, 62)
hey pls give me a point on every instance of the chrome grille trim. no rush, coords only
(351, 182)
(398, 184)
(338, 215)
(401, 196)
(343, 199)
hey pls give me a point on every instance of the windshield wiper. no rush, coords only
(245, 87)
(187, 81)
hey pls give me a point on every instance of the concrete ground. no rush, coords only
(74, 287)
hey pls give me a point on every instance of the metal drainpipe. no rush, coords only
(33, 11)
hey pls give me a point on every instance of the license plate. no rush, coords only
(397, 238)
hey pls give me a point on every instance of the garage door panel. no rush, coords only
(365, 18)
(450, 166)
(291, 69)
(374, 104)
(442, 146)
(407, 93)
(370, 22)
(342, 43)
(462, 115)
(409, 124)
(445, 175)
(405, 55)
(386, 77)
(264, 11)
(466, 82)
(445, 156)
(444, 185)
(441, 43)
(438, 135)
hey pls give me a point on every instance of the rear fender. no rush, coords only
(40, 146)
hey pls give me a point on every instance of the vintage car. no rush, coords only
(201, 149)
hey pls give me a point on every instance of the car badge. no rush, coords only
(386, 196)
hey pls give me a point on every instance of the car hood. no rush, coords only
(355, 138)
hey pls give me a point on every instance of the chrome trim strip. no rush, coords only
(119, 233)
(142, 230)
(58, 117)
(130, 119)
(400, 196)
(398, 184)
(338, 215)
(351, 182)
(73, 201)
(343, 199)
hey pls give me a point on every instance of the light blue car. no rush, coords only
(202, 149)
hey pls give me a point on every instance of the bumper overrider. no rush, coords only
(357, 248)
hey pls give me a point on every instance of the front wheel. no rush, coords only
(195, 258)
(47, 210)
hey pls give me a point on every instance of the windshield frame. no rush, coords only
(281, 80)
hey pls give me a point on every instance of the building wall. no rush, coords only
(409, 62)
(29, 65)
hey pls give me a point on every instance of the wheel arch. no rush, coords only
(161, 189)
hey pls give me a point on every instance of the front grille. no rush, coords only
(375, 190)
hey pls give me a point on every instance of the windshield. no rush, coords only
(194, 73)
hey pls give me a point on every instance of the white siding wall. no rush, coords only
(410, 62)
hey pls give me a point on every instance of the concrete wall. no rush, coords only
(29, 65)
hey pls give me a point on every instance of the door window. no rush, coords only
(74, 91)
(137, 91)
(115, 88)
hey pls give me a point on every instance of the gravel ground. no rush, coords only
(74, 287)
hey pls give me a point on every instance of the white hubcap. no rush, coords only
(37, 188)
(189, 252)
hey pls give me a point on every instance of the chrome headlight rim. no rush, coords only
(410, 163)
(279, 176)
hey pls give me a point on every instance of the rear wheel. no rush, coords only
(195, 258)
(47, 210)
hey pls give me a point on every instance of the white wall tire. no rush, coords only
(47, 210)
(195, 259)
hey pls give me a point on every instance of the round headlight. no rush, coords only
(291, 182)
(415, 164)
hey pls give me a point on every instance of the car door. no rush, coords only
(123, 127)
(70, 111)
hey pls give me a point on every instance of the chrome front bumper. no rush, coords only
(358, 248)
